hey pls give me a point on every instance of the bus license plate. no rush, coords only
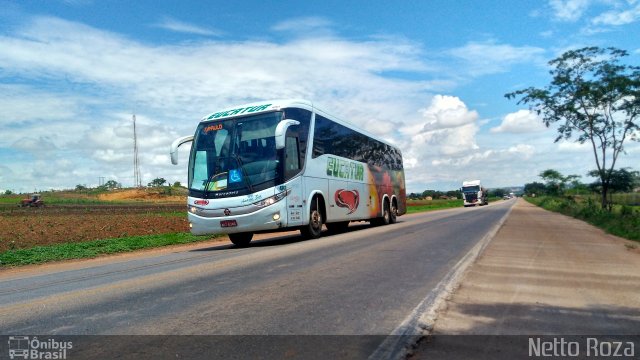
(228, 223)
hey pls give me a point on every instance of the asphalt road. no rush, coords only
(364, 282)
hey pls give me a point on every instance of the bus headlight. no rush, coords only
(272, 199)
(193, 209)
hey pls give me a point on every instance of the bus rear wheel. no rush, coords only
(393, 214)
(241, 239)
(313, 230)
(386, 216)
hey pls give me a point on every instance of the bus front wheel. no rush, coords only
(241, 239)
(313, 230)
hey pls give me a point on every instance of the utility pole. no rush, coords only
(137, 179)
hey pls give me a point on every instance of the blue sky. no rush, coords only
(429, 76)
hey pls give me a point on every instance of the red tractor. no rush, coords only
(35, 200)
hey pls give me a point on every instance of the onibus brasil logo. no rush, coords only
(25, 347)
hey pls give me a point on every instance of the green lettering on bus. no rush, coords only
(344, 169)
(250, 109)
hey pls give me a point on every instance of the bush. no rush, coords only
(624, 222)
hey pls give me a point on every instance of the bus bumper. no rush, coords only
(272, 217)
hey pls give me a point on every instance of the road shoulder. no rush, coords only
(546, 274)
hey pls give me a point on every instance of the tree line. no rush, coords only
(554, 183)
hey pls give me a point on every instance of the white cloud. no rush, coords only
(525, 149)
(491, 58)
(309, 25)
(522, 121)
(98, 79)
(16, 104)
(569, 10)
(618, 17)
(447, 112)
(171, 24)
(573, 146)
(447, 127)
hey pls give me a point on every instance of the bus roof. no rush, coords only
(277, 104)
(258, 107)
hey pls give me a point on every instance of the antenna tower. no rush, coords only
(137, 179)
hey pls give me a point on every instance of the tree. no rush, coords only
(454, 194)
(8, 192)
(498, 193)
(622, 180)
(595, 97)
(636, 180)
(81, 187)
(534, 188)
(556, 182)
(177, 184)
(157, 182)
(112, 184)
(554, 179)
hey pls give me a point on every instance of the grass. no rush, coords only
(83, 250)
(623, 220)
(416, 206)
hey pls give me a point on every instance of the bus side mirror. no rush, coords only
(173, 151)
(281, 131)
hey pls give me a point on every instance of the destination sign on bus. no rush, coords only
(238, 111)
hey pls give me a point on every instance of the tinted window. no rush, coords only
(336, 139)
(301, 131)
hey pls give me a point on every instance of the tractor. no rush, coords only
(35, 200)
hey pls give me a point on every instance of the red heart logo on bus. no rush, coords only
(349, 199)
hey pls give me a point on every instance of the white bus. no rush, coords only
(285, 164)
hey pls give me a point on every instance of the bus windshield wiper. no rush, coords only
(244, 173)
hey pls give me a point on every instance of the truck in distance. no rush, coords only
(473, 193)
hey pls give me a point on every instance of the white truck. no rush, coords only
(473, 193)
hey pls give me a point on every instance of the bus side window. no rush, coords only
(292, 159)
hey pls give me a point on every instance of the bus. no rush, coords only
(285, 165)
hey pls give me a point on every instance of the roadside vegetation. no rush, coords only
(622, 220)
(567, 195)
(594, 98)
(415, 205)
(94, 248)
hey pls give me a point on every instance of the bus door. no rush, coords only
(292, 169)
(295, 205)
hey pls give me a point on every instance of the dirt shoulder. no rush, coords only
(546, 274)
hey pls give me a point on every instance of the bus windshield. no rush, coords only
(474, 188)
(234, 156)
